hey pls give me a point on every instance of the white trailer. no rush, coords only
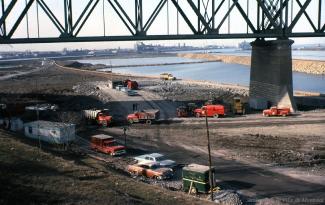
(51, 132)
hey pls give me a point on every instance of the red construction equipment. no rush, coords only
(101, 117)
(210, 111)
(186, 111)
(147, 116)
(106, 144)
(132, 85)
(274, 111)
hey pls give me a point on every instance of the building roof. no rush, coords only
(42, 123)
(197, 168)
(102, 136)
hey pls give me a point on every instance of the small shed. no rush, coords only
(51, 132)
(113, 83)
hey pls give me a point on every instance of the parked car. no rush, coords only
(157, 158)
(151, 170)
(131, 93)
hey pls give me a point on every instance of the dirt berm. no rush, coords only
(304, 66)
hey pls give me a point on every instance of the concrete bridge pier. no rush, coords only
(271, 74)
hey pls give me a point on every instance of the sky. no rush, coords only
(104, 15)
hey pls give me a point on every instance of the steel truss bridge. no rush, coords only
(28, 21)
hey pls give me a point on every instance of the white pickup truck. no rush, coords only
(156, 157)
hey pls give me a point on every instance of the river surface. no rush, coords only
(214, 71)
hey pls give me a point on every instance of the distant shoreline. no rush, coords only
(304, 66)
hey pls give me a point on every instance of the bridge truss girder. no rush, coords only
(271, 20)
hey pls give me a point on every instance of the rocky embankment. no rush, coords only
(304, 66)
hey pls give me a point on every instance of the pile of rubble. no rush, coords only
(92, 89)
(191, 91)
(227, 197)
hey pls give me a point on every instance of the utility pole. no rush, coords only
(209, 152)
(124, 133)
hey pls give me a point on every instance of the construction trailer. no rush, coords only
(196, 178)
(51, 132)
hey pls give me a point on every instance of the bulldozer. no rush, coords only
(238, 106)
(186, 111)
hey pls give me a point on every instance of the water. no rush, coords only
(216, 71)
(224, 73)
(139, 61)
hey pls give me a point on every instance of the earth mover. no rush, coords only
(238, 106)
(186, 111)
(167, 76)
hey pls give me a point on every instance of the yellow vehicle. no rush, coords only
(238, 106)
(167, 76)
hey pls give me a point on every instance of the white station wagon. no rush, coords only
(156, 157)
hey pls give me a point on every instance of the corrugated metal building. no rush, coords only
(51, 132)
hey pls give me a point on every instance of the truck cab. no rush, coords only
(103, 118)
(210, 111)
(106, 144)
(274, 111)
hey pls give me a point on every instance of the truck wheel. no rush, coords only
(216, 116)
(148, 122)
(130, 121)
(284, 115)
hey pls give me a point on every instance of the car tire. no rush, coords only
(148, 122)
(130, 121)
(216, 116)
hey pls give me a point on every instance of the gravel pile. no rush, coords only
(92, 89)
(227, 197)
(187, 91)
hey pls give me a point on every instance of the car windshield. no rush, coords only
(160, 158)
(110, 144)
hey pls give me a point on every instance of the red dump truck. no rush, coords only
(210, 111)
(106, 144)
(101, 117)
(147, 116)
(274, 111)
(130, 84)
